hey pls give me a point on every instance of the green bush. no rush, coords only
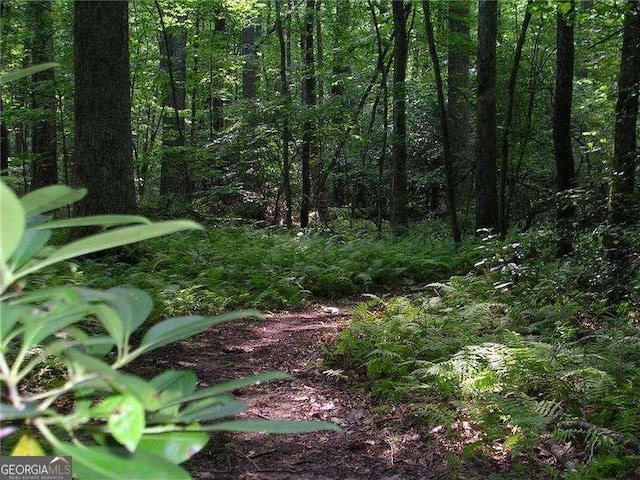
(118, 425)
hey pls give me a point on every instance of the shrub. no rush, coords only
(113, 424)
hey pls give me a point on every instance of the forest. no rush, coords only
(325, 239)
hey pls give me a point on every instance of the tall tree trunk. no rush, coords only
(341, 66)
(399, 217)
(4, 143)
(623, 204)
(45, 162)
(563, 90)
(216, 104)
(309, 149)
(444, 126)
(457, 95)
(513, 77)
(250, 66)
(174, 172)
(486, 148)
(286, 131)
(103, 145)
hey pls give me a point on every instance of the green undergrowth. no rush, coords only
(236, 267)
(529, 351)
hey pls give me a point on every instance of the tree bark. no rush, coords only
(250, 67)
(44, 145)
(486, 148)
(513, 77)
(562, 96)
(623, 203)
(174, 172)
(444, 125)
(286, 130)
(457, 95)
(103, 146)
(5, 151)
(399, 217)
(309, 149)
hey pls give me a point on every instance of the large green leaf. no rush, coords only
(33, 241)
(133, 306)
(101, 463)
(175, 329)
(9, 412)
(50, 198)
(272, 426)
(212, 408)
(42, 324)
(96, 220)
(173, 385)
(127, 384)
(228, 387)
(175, 447)
(12, 224)
(13, 76)
(125, 419)
(110, 239)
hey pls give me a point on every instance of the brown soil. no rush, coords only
(376, 442)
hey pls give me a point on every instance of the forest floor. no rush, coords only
(376, 442)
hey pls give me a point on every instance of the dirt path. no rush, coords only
(376, 443)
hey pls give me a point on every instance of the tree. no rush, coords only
(486, 149)
(399, 217)
(45, 161)
(562, 101)
(309, 146)
(103, 146)
(622, 204)
(513, 76)
(444, 124)
(286, 131)
(457, 92)
(174, 174)
(250, 67)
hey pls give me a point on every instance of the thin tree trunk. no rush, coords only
(622, 204)
(399, 217)
(513, 77)
(286, 133)
(457, 96)
(444, 126)
(309, 150)
(565, 168)
(174, 174)
(486, 148)
(44, 145)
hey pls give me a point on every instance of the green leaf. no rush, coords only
(125, 419)
(110, 239)
(42, 324)
(9, 316)
(132, 305)
(9, 412)
(272, 426)
(229, 386)
(13, 76)
(175, 329)
(175, 447)
(212, 408)
(100, 463)
(127, 384)
(12, 223)
(96, 220)
(50, 198)
(33, 241)
(564, 8)
(173, 385)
